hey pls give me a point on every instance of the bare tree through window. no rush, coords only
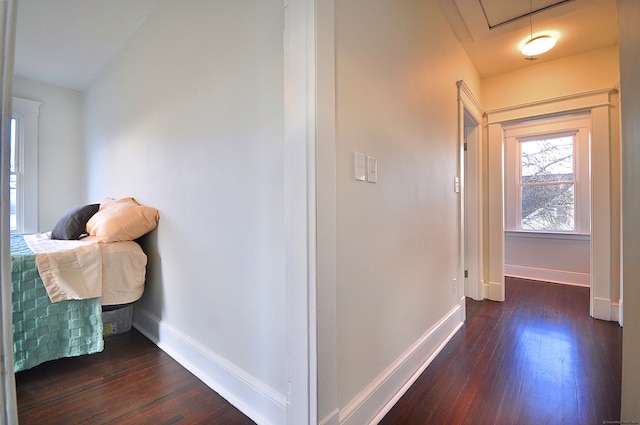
(547, 184)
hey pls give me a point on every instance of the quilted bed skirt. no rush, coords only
(43, 330)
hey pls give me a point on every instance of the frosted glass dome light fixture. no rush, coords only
(538, 45)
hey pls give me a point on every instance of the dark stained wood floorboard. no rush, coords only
(537, 358)
(131, 382)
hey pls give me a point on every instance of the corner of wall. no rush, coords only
(251, 396)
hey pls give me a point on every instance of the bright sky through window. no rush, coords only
(547, 184)
(13, 219)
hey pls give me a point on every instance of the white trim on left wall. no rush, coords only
(9, 411)
(300, 111)
(471, 201)
(254, 398)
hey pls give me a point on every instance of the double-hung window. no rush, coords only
(23, 177)
(547, 184)
(547, 176)
(13, 178)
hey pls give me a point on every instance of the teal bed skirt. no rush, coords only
(43, 330)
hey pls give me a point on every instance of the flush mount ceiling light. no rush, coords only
(536, 45)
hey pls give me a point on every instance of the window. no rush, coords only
(13, 178)
(23, 177)
(547, 184)
(547, 175)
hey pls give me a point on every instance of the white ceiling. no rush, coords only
(492, 31)
(68, 42)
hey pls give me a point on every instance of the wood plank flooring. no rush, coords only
(131, 382)
(537, 358)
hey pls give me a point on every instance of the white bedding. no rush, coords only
(88, 269)
(123, 272)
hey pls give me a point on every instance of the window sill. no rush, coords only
(548, 235)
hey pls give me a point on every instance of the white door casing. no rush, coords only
(597, 103)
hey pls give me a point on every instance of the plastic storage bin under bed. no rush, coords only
(116, 319)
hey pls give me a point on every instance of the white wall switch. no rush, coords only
(456, 184)
(372, 170)
(359, 166)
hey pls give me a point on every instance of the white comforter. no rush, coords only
(88, 269)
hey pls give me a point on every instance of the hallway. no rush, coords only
(537, 358)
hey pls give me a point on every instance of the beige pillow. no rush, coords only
(122, 220)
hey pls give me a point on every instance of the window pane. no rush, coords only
(12, 146)
(548, 207)
(13, 188)
(547, 185)
(13, 218)
(547, 160)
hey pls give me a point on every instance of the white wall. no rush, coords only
(61, 167)
(188, 118)
(548, 257)
(397, 63)
(629, 35)
(548, 80)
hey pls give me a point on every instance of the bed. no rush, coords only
(95, 273)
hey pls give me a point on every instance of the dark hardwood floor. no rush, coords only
(537, 358)
(131, 382)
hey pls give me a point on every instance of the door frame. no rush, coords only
(300, 51)
(470, 124)
(8, 399)
(602, 306)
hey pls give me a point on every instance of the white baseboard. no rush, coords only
(615, 312)
(370, 406)
(548, 275)
(251, 396)
(485, 290)
(495, 291)
(332, 418)
(621, 313)
(605, 309)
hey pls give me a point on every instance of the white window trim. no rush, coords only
(26, 112)
(515, 133)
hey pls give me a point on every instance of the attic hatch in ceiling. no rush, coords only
(500, 12)
(484, 19)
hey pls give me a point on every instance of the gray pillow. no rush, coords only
(74, 223)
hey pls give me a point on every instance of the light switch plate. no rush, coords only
(372, 170)
(359, 166)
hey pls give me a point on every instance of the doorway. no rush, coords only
(603, 288)
(470, 135)
(548, 199)
(472, 214)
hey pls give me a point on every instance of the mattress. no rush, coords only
(124, 267)
(43, 330)
(116, 271)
